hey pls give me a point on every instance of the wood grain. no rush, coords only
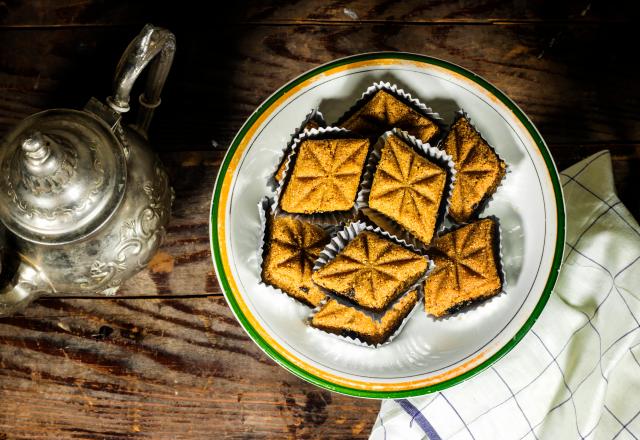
(419, 12)
(156, 369)
(549, 71)
(91, 13)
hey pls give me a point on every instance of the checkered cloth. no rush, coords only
(576, 374)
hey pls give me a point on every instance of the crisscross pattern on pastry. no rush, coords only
(293, 248)
(465, 271)
(408, 188)
(479, 170)
(325, 176)
(371, 271)
(341, 319)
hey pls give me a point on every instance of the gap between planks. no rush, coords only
(329, 22)
(137, 297)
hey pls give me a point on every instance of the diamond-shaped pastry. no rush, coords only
(479, 170)
(334, 317)
(466, 268)
(382, 112)
(371, 271)
(292, 247)
(325, 176)
(408, 188)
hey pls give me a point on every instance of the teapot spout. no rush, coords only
(27, 284)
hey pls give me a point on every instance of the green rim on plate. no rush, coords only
(553, 274)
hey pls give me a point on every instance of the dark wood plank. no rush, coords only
(88, 13)
(156, 369)
(549, 72)
(91, 13)
(220, 77)
(416, 11)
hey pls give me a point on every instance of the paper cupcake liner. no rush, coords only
(403, 96)
(325, 219)
(435, 155)
(485, 201)
(358, 341)
(342, 238)
(313, 116)
(264, 210)
(497, 252)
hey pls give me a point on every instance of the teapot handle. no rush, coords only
(153, 43)
(27, 285)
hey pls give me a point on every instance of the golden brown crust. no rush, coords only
(383, 111)
(408, 189)
(344, 320)
(371, 271)
(292, 248)
(325, 176)
(466, 270)
(479, 170)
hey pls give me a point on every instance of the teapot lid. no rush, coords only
(63, 175)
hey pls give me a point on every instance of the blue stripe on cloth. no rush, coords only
(420, 419)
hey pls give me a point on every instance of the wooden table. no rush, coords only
(166, 359)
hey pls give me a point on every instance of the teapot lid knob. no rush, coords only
(62, 174)
(35, 146)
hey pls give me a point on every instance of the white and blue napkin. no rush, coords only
(576, 374)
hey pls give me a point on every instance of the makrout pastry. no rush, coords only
(325, 176)
(408, 188)
(467, 268)
(479, 170)
(382, 111)
(343, 320)
(371, 271)
(291, 248)
(313, 120)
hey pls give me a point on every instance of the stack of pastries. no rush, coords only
(357, 228)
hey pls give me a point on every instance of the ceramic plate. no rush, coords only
(429, 354)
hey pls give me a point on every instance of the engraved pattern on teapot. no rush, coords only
(139, 237)
(84, 199)
(55, 182)
(38, 186)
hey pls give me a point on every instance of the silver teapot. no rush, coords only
(84, 200)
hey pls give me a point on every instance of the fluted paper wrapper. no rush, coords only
(313, 116)
(342, 238)
(497, 250)
(402, 96)
(330, 218)
(433, 154)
